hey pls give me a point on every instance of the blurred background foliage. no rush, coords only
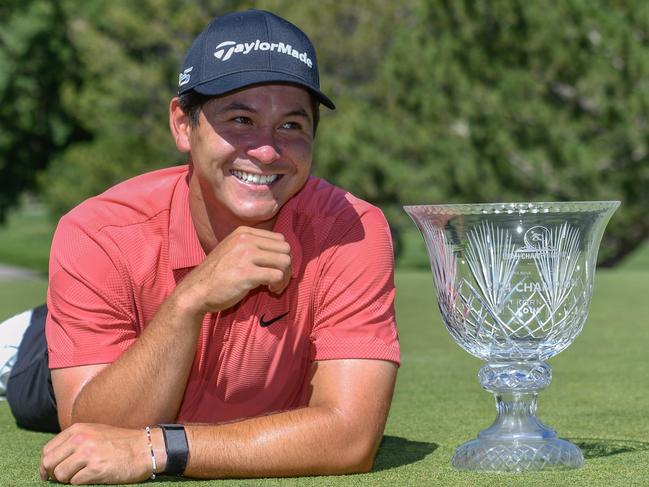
(438, 101)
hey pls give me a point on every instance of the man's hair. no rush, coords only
(191, 103)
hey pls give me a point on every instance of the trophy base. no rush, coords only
(517, 456)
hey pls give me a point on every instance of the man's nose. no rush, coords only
(265, 151)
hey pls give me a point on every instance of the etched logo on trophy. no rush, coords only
(536, 238)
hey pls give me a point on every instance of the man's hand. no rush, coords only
(244, 260)
(95, 453)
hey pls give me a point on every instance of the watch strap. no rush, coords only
(176, 447)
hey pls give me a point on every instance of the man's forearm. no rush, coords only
(339, 432)
(146, 384)
(308, 441)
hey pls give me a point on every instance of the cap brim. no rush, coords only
(235, 81)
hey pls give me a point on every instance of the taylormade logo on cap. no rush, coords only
(225, 50)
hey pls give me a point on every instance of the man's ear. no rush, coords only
(179, 125)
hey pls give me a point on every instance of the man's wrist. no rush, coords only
(182, 306)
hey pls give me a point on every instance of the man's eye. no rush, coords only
(291, 125)
(243, 120)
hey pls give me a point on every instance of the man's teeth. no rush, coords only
(246, 177)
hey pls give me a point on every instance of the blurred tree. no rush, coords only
(503, 101)
(439, 100)
(130, 53)
(37, 61)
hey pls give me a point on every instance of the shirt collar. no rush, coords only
(185, 249)
(284, 225)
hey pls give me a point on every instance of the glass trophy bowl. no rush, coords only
(514, 283)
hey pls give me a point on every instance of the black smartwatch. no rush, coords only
(176, 448)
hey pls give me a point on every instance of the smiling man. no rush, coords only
(232, 317)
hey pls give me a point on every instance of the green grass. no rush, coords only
(25, 239)
(638, 260)
(599, 397)
(17, 296)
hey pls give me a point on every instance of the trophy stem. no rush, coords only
(517, 440)
(516, 419)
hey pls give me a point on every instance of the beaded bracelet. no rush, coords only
(153, 461)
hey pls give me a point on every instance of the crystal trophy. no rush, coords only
(514, 283)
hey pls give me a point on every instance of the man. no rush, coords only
(237, 297)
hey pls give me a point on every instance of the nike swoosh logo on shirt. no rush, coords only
(264, 323)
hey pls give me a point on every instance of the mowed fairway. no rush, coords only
(599, 397)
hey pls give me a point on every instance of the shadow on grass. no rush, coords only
(395, 452)
(602, 447)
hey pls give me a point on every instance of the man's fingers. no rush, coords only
(273, 260)
(272, 245)
(279, 282)
(54, 452)
(65, 471)
(56, 442)
(279, 287)
(58, 458)
(262, 240)
(258, 232)
(274, 270)
(61, 466)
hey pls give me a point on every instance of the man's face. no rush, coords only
(251, 151)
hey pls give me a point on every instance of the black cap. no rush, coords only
(248, 48)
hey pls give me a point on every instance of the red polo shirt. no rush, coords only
(117, 256)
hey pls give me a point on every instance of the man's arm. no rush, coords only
(339, 432)
(145, 385)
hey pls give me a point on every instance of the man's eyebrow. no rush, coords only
(236, 105)
(300, 112)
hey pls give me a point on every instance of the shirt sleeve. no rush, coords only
(354, 315)
(91, 318)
